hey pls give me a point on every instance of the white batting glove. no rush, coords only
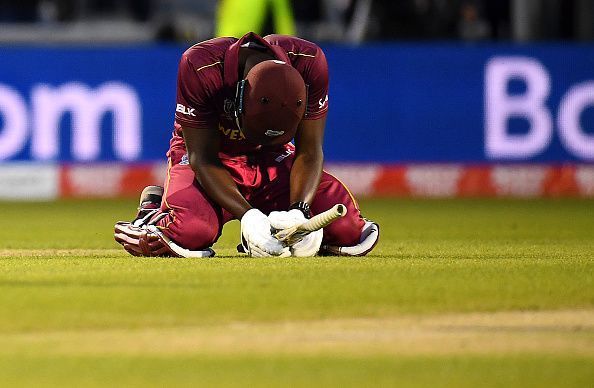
(256, 236)
(310, 244)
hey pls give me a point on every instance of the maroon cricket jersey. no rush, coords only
(207, 80)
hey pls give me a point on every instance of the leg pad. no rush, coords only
(368, 240)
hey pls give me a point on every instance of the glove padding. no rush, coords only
(310, 244)
(256, 237)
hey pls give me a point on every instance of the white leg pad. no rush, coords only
(369, 239)
(182, 252)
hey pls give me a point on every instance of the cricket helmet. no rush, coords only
(271, 101)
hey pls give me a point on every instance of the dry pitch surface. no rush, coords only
(458, 293)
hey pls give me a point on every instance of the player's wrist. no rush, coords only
(242, 212)
(303, 207)
(251, 213)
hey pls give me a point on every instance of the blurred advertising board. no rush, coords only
(436, 110)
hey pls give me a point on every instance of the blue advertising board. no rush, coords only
(389, 103)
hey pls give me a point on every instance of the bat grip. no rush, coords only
(322, 220)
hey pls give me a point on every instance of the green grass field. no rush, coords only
(459, 293)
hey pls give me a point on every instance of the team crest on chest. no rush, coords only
(228, 107)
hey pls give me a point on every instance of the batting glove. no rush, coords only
(310, 244)
(257, 239)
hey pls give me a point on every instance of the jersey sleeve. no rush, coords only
(194, 106)
(316, 78)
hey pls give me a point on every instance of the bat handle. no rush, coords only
(322, 220)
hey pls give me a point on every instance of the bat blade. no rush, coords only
(317, 222)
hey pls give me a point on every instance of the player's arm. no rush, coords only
(309, 159)
(198, 119)
(203, 148)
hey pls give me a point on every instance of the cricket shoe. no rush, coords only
(368, 240)
(149, 205)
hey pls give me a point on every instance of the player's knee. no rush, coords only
(344, 232)
(195, 234)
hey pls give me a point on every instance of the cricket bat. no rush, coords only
(295, 233)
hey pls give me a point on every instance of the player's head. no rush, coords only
(271, 101)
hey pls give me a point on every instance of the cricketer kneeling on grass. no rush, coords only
(240, 102)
